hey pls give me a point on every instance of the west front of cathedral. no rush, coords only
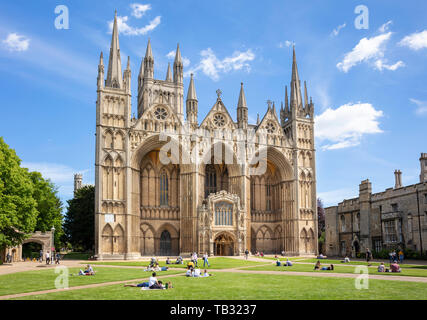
(167, 184)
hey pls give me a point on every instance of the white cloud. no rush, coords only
(211, 66)
(61, 175)
(367, 50)
(385, 26)
(286, 43)
(336, 31)
(16, 42)
(381, 64)
(185, 61)
(138, 10)
(344, 127)
(415, 41)
(421, 106)
(126, 29)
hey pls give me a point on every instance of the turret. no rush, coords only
(192, 104)
(178, 67)
(100, 79)
(242, 110)
(169, 73)
(127, 77)
(141, 75)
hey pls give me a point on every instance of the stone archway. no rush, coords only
(224, 245)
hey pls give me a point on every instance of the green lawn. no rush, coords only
(30, 281)
(412, 271)
(76, 256)
(357, 263)
(233, 286)
(215, 263)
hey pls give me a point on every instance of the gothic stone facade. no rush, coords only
(391, 219)
(146, 206)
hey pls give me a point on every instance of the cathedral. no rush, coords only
(168, 184)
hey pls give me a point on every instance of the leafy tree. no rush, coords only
(80, 219)
(320, 217)
(18, 209)
(49, 206)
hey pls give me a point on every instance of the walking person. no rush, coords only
(194, 259)
(368, 256)
(41, 256)
(8, 258)
(401, 256)
(246, 254)
(47, 257)
(57, 258)
(205, 260)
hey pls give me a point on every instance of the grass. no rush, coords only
(30, 281)
(413, 271)
(233, 286)
(76, 256)
(215, 263)
(358, 263)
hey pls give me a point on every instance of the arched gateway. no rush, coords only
(169, 184)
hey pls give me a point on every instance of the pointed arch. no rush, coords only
(108, 139)
(107, 239)
(119, 240)
(147, 239)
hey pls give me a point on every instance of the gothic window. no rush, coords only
(390, 231)
(210, 180)
(342, 223)
(160, 113)
(219, 120)
(270, 128)
(164, 188)
(268, 195)
(223, 214)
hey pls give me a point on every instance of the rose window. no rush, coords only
(160, 113)
(219, 120)
(270, 128)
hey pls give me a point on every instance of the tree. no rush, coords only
(79, 221)
(49, 206)
(320, 216)
(18, 209)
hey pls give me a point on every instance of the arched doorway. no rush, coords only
(31, 250)
(165, 243)
(224, 245)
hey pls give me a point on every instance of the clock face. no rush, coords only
(160, 113)
(219, 120)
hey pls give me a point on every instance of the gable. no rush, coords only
(218, 118)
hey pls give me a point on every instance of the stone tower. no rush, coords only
(78, 182)
(423, 167)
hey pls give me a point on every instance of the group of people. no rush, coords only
(154, 266)
(179, 260)
(396, 258)
(394, 267)
(195, 272)
(88, 272)
(49, 258)
(287, 263)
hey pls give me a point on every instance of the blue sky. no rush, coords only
(368, 85)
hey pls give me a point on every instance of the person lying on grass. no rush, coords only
(330, 268)
(146, 285)
(206, 274)
(317, 265)
(156, 268)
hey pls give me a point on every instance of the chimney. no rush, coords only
(423, 165)
(398, 179)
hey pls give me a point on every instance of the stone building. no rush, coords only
(395, 218)
(221, 187)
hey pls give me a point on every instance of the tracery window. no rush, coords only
(210, 180)
(219, 120)
(164, 189)
(160, 113)
(223, 214)
(268, 195)
(270, 128)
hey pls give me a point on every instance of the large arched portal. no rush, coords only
(165, 244)
(31, 250)
(224, 245)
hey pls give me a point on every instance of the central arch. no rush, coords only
(224, 245)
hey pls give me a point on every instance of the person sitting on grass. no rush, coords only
(88, 272)
(149, 268)
(346, 260)
(288, 263)
(317, 265)
(381, 267)
(153, 283)
(262, 254)
(189, 272)
(196, 272)
(278, 263)
(394, 267)
(206, 274)
(153, 262)
(179, 260)
(139, 285)
(321, 256)
(168, 261)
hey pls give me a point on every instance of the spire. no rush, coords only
(128, 64)
(114, 76)
(101, 80)
(178, 67)
(101, 59)
(149, 62)
(296, 100)
(141, 74)
(257, 119)
(286, 99)
(305, 94)
(169, 73)
(242, 98)
(191, 95)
